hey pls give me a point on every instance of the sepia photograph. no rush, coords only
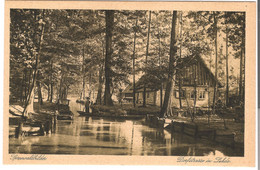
(127, 82)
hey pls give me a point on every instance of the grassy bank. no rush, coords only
(46, 107)
(126, 109)
(216, 123)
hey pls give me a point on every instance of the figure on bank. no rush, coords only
(87, 105)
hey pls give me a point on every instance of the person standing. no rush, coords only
(87, 105)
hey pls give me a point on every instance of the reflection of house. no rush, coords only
(194, 75)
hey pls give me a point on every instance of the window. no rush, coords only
(201, 95)
(148, 94)
(128, 94)
(182, 95)
(177, 94)
(192, 94)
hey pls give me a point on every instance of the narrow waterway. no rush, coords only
(99, 136)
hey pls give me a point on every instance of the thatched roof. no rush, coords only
(182, 63)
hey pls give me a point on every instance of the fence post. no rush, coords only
(172, 127)
(41, 129)
(18, 130)
(47, 127)
(53, 123)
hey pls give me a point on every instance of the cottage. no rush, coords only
(193, 86)
(127, 93)
(150, 95)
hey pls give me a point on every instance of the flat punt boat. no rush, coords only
(64, 112)
(80, 101)
(126, 117)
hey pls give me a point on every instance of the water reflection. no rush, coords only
(98, 136)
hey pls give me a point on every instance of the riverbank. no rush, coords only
(125, 109)
(46, 107)
(230, 128)
(232, 134)
(216, 123)
(225, 131)
(38, 123)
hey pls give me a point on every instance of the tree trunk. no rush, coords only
(83, 74)
(160, 65)
(22, 87)
(66, 92)
(179, 75)
(100, 79)
(61, 83)
(49, 91)
(161, 95)
(216, 61)
(241, 76)
(242, 64)
(29, 82)
(180, 91)
(49, 87)
(134, 103)
(90, 85)
(195, 92)
(100, 83)
(25, 85)
(227, 74)
(109, 29)
(51, 94)
(51, 81)
(147, 52)
(169, 85)
(39, 89)
(30, 94)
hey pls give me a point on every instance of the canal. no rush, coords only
(102, 136)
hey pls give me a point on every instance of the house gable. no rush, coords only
(194, 71)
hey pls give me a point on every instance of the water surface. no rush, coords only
(104, 136)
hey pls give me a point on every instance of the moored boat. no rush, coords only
(80, 101)
(64, 112)
(126, 117)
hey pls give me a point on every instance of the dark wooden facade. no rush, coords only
(194, 74)
(195, 70)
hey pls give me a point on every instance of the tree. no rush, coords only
(109, 29)
(237, 40)
(23, 49)
(227, 69)
(100, 78)
(29, 100)
(180, 50)
(215, 29)
(135, 30)
(146, 56)
(169, 86)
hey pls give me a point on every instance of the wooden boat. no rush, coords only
(16, 110)
(80, 101)
(64, 112)
(126, 117)
(29, 127)
(65, 115)
(15, 114)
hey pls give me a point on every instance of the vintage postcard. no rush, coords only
(130, 83)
